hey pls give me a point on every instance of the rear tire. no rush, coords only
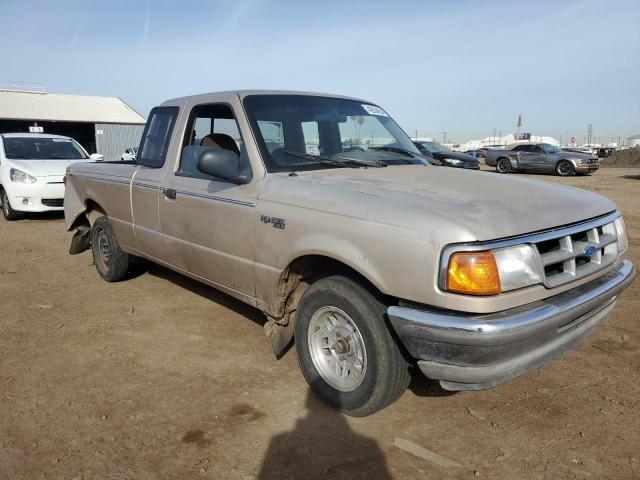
(564, 168)
(8, 213)
(111, 261)
(503, 165)
(345, 349)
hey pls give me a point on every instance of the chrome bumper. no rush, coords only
(474, 352)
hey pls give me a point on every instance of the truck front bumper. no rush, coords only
(475, 352)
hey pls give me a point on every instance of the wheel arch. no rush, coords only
(512, 161)
(88, 215)
(570, 160)
(305, 269)
(295, 279)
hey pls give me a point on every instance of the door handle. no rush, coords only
(170, 193)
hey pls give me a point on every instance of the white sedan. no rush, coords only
(129, 154)
(32, 169)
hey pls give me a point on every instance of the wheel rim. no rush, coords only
(5, 205)
(502, 166)
(103, 247)
(564, 168)
(337, 349)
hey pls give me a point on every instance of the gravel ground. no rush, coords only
(160, 377)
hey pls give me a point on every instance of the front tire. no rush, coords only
(346, 351)
(111, 261)
(564, 168)
(8, 213)
(503, 165)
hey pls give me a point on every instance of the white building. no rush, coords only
(105, 125)
(505, 140)
(633, 140)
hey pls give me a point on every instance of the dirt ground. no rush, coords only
(160, 377)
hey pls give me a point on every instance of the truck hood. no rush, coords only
(488, 205)
(43, 168)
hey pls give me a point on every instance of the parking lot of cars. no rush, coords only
(161, 376)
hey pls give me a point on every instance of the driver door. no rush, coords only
(207, 223)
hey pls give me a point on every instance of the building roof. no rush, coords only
(66, 108)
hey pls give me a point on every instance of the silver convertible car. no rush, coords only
(542, 158)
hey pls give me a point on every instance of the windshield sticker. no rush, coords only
(373, 110)
(60, 140)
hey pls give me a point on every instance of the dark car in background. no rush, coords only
(478, 152)
(448, 157)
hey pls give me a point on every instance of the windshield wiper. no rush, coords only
(338, 161)
(395, 150)
(401, 151)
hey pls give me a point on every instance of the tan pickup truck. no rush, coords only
(319, 211)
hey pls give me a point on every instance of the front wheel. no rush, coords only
(345, 349)
(565, 168)
(503, 166)
(8, 212)
(111, 261)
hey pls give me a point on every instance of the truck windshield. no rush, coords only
(36, 148)
(305, 132)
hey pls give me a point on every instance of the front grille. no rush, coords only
(570, 257)
(53, 202)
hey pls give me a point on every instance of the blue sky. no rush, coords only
(463, 67)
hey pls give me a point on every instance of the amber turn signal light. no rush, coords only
(473, 273)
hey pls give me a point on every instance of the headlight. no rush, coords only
(494, 271)
(621, 231)
(453, 161)
(20, 177)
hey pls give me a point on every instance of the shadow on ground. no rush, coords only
(40, 216)
(422, 386)
(201, 289)
(323, 445)
(631, 177)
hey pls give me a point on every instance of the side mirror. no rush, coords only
(97, 157)
(220, 163)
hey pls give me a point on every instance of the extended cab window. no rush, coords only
(211, 126)
(156, 137)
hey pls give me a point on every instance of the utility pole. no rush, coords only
(416, 137)
(444, 137)
(589, 133)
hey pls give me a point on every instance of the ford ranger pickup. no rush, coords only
(320, 211)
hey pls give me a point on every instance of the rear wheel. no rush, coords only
(8, 212)
(565, 168)
(111, 261)
(345, 349)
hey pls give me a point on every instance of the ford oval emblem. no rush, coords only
(589, 250)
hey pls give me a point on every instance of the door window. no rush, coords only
(156, 137)
(212, 126)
